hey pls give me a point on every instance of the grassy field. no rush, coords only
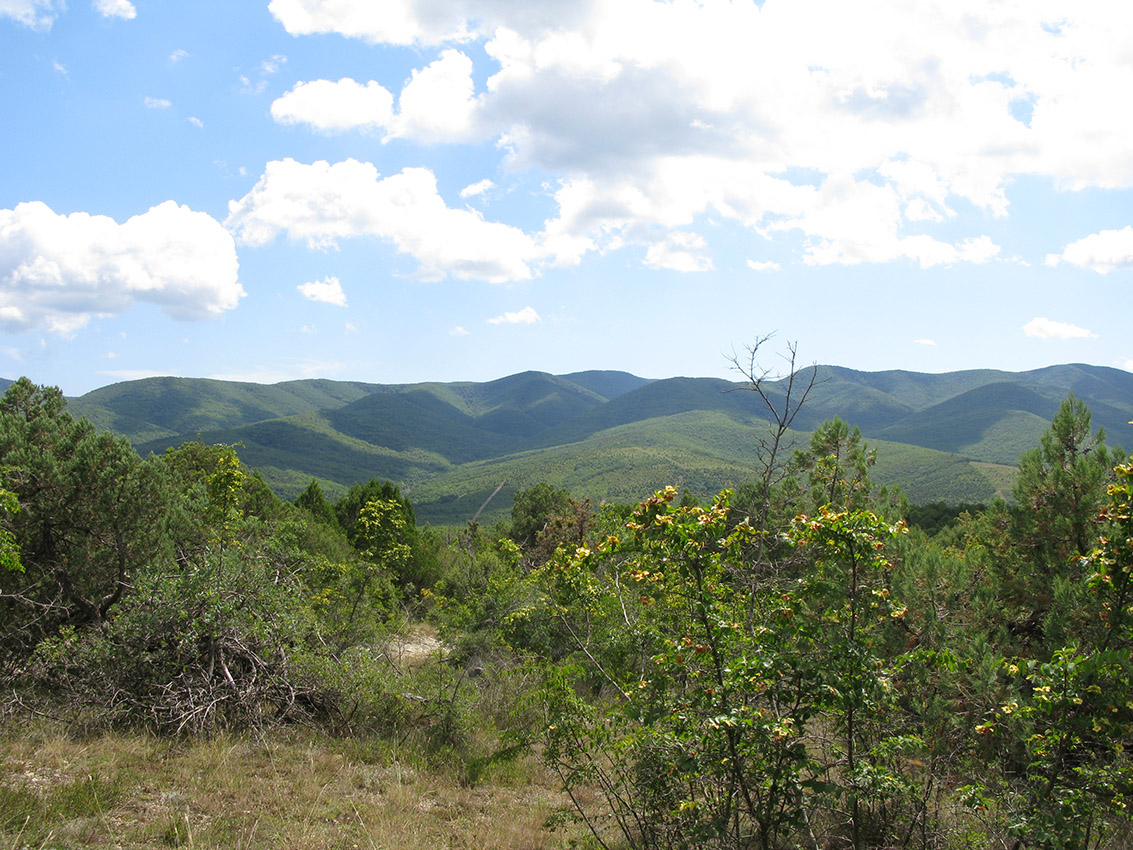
(291, 790)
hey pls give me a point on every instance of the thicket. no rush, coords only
(793, 664)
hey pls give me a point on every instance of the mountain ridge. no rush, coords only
(607, 434)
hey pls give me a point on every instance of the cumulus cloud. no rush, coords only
(763, 265)
(56, 271)
(457, 330)
(1043, 328)
(392, 22)
(478, 188)
(333, 106)
(177, 55)
(323, 203)
(1103, 252)
(328, 290)
(526, 316)
(438, 103)
(36, 14)
(115, 9)
(157, 103)
(680, 252)
(934, 108)
(925, 342)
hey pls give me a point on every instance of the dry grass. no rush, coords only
(292, 790)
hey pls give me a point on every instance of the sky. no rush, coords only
(413, 190)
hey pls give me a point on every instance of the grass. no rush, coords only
(294, 789)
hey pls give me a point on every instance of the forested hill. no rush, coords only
(604, 434)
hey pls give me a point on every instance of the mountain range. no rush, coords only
(607, 435)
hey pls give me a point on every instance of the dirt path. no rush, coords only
(414, 645)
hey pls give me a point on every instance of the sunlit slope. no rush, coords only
(151, 408)
(606, 434)
(290, 452)
(701, 450)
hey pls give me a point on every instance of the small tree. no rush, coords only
(90, 513)
(1071, 716)
(714, 730)
(314, 502)
(534, 508)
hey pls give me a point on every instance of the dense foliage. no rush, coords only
(792, 664)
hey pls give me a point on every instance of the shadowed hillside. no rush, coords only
(605, 434)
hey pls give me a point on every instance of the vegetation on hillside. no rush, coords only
(800, 661)
(609, 436)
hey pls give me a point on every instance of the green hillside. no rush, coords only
(604, 434)
(607, 384)
(704, 451)
(151, 408)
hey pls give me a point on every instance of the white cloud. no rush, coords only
(391, 22)
(1042, 328)
(1103, 252)
(115, 9)
(56, 271)
(59, 67)
(763, 266)
(925, 342)
(328, 106)
(322, 203)
(1128, 366)
(674, 111)
(680, 252)
(195, 121)
(477, 188)
(272, 65)
(458, 331)
(177, 55)
(328, 290)
(157, 103)
(438, 103)
(36, 14)
(526, 316)
(978, 250)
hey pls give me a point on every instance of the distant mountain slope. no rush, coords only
(702, 450)
(309, 446)
(606, 383)
(658, 398)
(963, 423)
(606, 434)
(417, 419)
(153, 407)
(984, 414)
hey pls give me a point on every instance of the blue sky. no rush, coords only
(463, 189)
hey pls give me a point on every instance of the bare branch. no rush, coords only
(797, 384)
